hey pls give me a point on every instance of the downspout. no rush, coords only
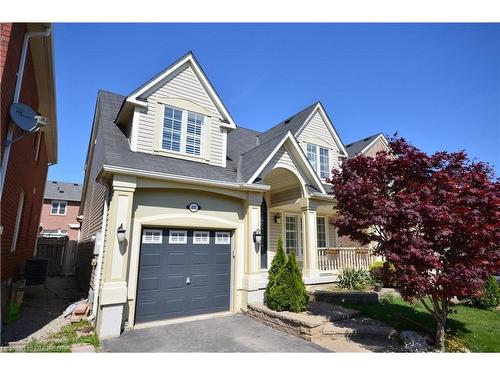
(97, 278)
(17, 93)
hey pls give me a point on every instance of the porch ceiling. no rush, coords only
(281, 179)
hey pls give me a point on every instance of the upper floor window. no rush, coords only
(182, 131)
(58, 208)
(319, 157)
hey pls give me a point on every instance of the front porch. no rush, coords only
(304, 222)
(331, 261)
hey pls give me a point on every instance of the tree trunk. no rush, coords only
(440, 335)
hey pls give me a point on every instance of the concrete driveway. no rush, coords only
(235, 333)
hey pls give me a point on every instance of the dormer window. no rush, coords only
(319, 157)
(182, 131)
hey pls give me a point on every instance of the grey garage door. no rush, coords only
(183, 272)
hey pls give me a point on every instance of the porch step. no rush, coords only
(358, 327)
(332, 313)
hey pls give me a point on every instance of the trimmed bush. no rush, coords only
(490, 297)
(277, 264)
(288, 292)
(354, 279)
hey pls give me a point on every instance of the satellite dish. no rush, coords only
(23, 116)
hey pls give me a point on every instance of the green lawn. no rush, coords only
(478, 330)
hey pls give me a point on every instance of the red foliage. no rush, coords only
(436, 218)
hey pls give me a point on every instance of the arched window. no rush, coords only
(263, 228)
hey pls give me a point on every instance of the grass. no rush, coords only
(60, 342)
(469, 327)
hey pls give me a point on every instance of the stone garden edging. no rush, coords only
(307, 327)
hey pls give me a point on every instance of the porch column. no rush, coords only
(310, 249)
(113, 296)
(252, 275)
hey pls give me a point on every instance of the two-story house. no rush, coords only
(61, 203)
(183, 209)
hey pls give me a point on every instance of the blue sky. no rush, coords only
(438, 85)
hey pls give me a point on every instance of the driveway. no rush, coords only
(235, 333)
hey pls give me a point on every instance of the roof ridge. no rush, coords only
(266, 142)
(364, 139)
(291, 117)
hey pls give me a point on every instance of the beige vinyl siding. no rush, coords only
(286, 196)
(93, 206)
(282, 159)
(317, 128)
(275, 232)
(184, 85)
(379, 145)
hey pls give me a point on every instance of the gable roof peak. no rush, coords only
(136, 97)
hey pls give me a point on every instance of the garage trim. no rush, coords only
(188, 221)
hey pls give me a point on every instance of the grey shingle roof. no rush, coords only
(358, 146)
(251, 160)
(292, 124)
(246, 149)
(239, 141)
(67, 191)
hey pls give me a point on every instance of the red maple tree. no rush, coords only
(435, 218)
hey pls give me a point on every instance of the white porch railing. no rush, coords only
(336, 259)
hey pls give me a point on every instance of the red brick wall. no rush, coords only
(60, 221)
(24, 173)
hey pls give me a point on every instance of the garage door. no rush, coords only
(183, 272)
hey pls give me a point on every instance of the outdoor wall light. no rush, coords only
(277, 218)
(120, 234)
(257, 237)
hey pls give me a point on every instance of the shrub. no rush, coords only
(490, 296)
(354, 279)
(277, 264)
(288, 292)
(383, 273)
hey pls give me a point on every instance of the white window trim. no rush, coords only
(201, 240)
(317, 166)
(59, 207)
(299, 232)
(155, 232)
(225, 240)
(326, 231)
(170, 238)
(184, 120)
(20, 207)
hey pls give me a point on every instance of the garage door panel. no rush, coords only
(222, 279)
(149, 284)
(177, 258)
(175, 282)
(163, 292)
(147, 309)
(174, 305)
(151, 259)
(200, 258)
(199, 280)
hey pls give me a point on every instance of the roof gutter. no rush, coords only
(17, 94)
(188, 180)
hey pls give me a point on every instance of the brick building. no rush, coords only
(61, 203)
(27, 76)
